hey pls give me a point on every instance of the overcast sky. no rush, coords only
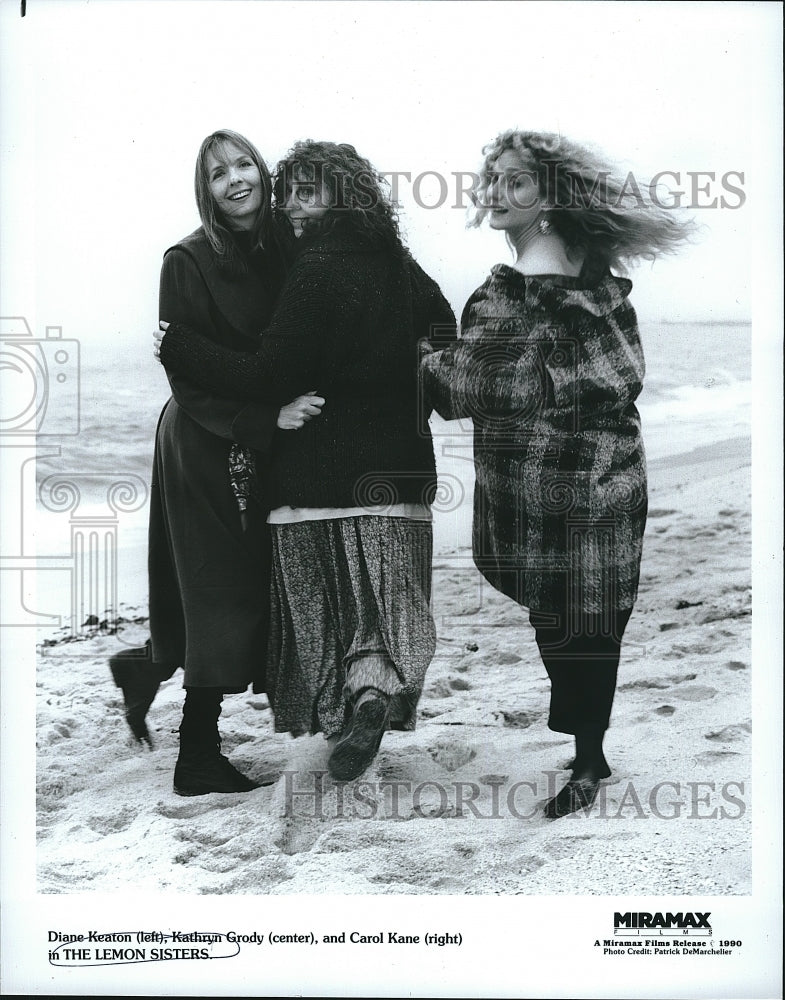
(104, 105)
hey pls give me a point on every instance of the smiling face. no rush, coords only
(306, 202)
(512, 197)
(235, 184)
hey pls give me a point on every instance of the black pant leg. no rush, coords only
(581, 657)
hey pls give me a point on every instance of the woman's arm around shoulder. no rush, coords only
(287, 359)
(184, 296)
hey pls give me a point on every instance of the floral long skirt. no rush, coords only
(350, 609)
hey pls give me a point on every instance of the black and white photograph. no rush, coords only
(391, 540)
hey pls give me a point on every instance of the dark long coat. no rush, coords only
(548, 368)
(209, 574)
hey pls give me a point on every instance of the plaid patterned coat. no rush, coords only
(548, 368)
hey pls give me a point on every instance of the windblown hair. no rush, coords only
(595, 209)
(217, 230)
(359, 206)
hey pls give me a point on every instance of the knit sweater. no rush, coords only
(346, 326)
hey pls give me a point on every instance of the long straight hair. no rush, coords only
(218, 232)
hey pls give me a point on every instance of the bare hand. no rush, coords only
(158, 336)
(424, 348)
(292, 416)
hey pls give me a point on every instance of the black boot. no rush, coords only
(588, 767)
(578, 793)
(135, 675)
(360, 740)
(201, 767)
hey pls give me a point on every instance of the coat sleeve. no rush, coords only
(435, 320)
(435, 329)
(509, 368)
(184, 298)
(485, 374)
(287, 361)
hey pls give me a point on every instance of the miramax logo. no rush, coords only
(666, 921)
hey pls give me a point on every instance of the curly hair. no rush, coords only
(594, 208)
(359, 206)
(219, 234)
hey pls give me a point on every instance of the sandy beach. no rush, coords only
(454, 807)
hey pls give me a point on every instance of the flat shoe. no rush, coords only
(576, 794)
(359, 744)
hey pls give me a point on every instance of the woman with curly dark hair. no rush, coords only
(352, 631)
(548, 366)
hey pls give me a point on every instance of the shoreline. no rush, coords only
(452, 530)
(679, 745)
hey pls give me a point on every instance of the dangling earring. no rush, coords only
(544, 225)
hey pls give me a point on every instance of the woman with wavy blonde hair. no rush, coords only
(548, 366)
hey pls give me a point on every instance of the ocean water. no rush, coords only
(90, 524)
(698, 386)
(697, 390)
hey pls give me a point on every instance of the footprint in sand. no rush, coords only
(188, 810)
(216, 864)
(297, 836)
(452, 756)
(715, 756)
(445, 687)
(342, 839)
(266, 872)
(570, 846)
(730, 734)
(204, 838)
(698, 692)
(517, 720)
(52, 794)
(186, 856)
(664, 710)
(644, 684)
(106, 825)
(660, 512)
(238, 738)
(736, 665)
